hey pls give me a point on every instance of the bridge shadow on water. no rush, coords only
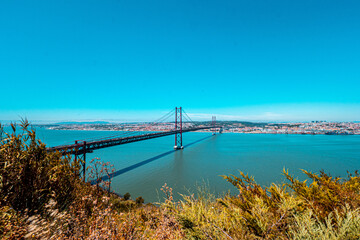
(139, 164)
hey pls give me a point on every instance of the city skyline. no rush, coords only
(267, 61)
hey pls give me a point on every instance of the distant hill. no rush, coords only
(245, 123)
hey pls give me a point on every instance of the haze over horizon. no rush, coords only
(273, 61)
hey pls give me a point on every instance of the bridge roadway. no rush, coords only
(89, 146)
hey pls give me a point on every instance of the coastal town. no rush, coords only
(313, 128)
(310, 128)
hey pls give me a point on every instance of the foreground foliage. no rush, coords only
(42, 197)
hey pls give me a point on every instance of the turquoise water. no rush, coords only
(143, 167)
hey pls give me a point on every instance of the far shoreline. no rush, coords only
(265, 133)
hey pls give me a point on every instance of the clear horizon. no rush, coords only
(271, 61)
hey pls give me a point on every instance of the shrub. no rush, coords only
(127, 196)
(139, 200)
(30, 176)
(326, 194)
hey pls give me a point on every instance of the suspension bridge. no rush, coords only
(182, 123)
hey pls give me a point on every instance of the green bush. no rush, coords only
(139, 200)
(30, 176)
(127, 196)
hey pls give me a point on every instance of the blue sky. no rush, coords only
(134, 60)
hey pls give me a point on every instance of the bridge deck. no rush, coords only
(90, 146)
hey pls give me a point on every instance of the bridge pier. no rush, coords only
(80, 155)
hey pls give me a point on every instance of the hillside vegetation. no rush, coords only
(42, 197)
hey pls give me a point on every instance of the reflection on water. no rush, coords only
(136, 165)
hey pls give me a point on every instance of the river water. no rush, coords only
(143, 167)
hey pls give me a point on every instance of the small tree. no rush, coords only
(95, 173)
(101, 173)
(109, 171)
